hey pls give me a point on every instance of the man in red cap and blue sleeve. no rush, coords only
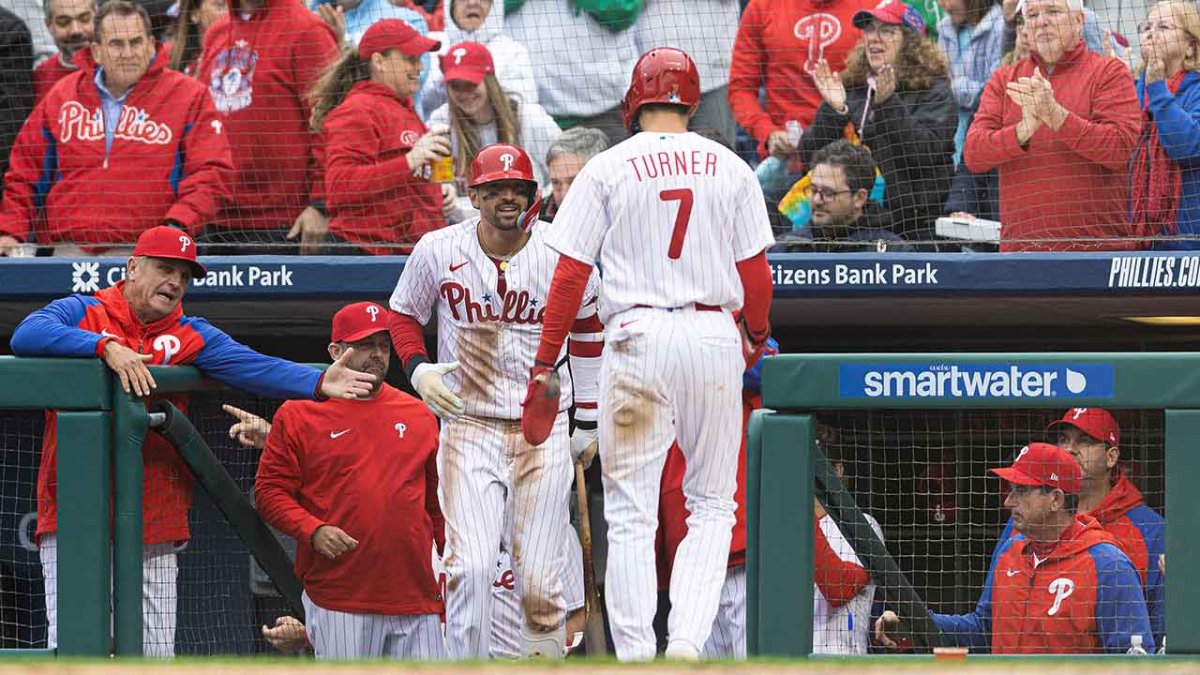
(1092, 437)
(355, 483)
(136, 323)
(1065, 587)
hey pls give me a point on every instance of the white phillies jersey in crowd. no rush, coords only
(667, 216)
(493, 335)
(845, 629)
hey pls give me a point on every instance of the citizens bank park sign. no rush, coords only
(795, 275)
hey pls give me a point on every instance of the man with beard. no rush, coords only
(133, 324)
(70, 23)
(844, 219)
(355, 483)
(486, 281)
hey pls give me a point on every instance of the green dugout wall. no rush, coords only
(781, 468)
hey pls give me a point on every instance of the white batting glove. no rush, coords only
(427, 380)
(584, 443)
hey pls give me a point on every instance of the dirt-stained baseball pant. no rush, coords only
(487, 468)
(728, 638)
(345, 635)
(160, 571)
(668, 375)
(507, 617)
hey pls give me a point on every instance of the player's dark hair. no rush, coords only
(855, 161)
(636, 124)
(122, 8)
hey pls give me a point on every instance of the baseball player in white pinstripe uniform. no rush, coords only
(486, 279)
(679, 225)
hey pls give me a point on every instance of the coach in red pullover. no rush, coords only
(118, 147)
(260, 61)
(1060, 125)
(1066, 587)
(355, 483)
(71, 23)
(779, 43)
(140, 322)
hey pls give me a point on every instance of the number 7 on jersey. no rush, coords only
(682, 216)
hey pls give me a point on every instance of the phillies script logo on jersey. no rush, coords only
(819, 31)
(231, 83)
(78, 123)
(517, 306)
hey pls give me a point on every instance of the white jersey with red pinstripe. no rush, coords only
(488, 321)
(496, 490)
(667, 216)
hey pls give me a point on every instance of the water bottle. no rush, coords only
(1135, 646)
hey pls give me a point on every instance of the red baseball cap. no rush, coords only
(164, 241)
(357, 321)
(892, 12)
(468, 61)
(1095, 422)
(1043, 464)
(388, 34)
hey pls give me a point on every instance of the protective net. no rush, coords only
(266, 137)
(922, 478)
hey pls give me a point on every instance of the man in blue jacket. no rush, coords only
(136, 323)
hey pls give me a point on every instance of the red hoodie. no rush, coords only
(169, 160)
(779, 43)
(373, 196)
(1071, 183)
(47, 75)
(259, 67)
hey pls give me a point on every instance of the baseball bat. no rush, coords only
(593, 629)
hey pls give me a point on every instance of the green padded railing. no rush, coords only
(780, 472)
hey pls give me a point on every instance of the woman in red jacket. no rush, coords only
(377, 151)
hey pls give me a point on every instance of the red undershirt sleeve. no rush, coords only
(566, 294)
(758, 287)
(839, 580)
(407, 336)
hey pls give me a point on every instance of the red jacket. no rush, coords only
(1072, 183)
(372, 195)
(47, 75)
(169, 160)
(378, 484)
(778, 45)
(259, 69)
(80, 326)
(1083, 597)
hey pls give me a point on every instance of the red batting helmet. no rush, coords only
(504, 161)
(662, 75)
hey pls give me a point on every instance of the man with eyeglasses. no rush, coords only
(844, 218)
(1064, 587)
(1060, 125)
(1092, 437)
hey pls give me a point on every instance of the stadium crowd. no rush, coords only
(271, 126)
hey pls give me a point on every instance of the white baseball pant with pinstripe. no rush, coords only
(347, 636)
(728, 638)
(486, 470)
(668, 375)
(160, 570)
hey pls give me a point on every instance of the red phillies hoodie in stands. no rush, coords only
(169, 159)
(779, 43)
(259, 66)
(373, 196)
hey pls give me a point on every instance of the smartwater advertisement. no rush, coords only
(975, 380)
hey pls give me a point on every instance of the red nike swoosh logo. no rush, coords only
(459, 266)
(626, 323)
